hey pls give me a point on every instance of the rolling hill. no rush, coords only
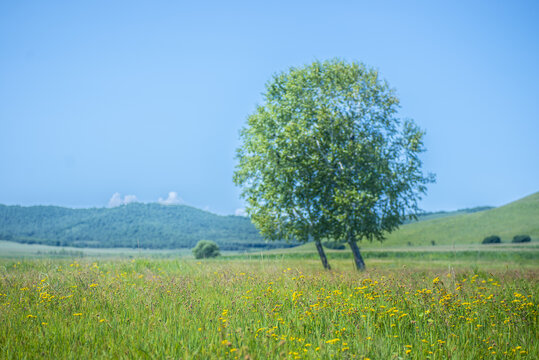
(152, 226)
(462, 227)
(518, 217)
(440, 214)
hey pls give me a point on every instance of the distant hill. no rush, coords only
(134, 225)
(518, 217)
(156, 226)
(440, 214)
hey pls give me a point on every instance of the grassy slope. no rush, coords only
(466, 231)
(442, 214)
(519, 217)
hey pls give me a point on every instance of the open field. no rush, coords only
(10, 249)
(500, 256)
(267, 308)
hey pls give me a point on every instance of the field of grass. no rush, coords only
(267, 308)
(501, 256)
(10, 249)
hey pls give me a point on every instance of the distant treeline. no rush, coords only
(440, 214)
(136, 225)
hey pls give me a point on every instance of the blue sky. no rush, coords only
(147, 98)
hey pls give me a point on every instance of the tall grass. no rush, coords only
(262, 309)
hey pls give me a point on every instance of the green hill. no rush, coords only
(157, 226)
(440, 214)
(519, 217)
(463, 227)
(135, 225)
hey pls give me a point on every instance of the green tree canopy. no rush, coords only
(325, 156)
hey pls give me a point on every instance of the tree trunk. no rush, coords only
(322, 255)
(360, 264)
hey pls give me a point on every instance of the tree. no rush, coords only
(206, 249)
(325, 156)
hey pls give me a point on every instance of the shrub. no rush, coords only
(335, 245)
(521, 238)
(492, 239)
(206, 249)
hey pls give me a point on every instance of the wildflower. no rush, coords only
(77, 314)
(332, 341)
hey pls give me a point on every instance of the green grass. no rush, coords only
(10, 249)
(266, 309)
(524, 255)
(499, 255)
(516, 218)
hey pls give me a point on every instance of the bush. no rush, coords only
(492, 239)
(521, 238)
(206, 249)
(335, 245)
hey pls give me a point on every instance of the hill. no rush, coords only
(156, 226)
(440, 214)
(518, 217)
(152, 226)
(465, 227)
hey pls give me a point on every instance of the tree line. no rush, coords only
(136, 225)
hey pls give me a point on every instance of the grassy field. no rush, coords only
(267, 308)
(10, 249)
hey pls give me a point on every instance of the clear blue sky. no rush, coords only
(145, 98)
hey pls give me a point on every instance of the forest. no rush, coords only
(136, 225)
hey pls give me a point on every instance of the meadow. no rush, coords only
(268, 308)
